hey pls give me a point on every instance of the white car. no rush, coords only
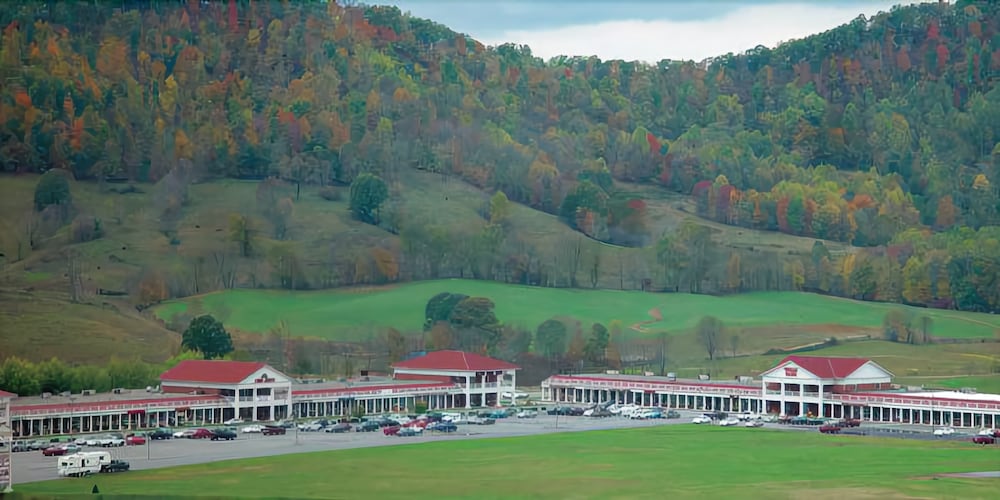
(729, 422)
(753, 423)
(944, 431)
(987, 432)
(184, 433)
(251, 429)
(109, 441)
(701, 419)
(233, 421)
(528, 414)
(94, 440)
(80, 441)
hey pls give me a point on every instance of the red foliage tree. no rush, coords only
(781, 213)
(933, 32)
(234, 21)
(654, 144)
(942, 56)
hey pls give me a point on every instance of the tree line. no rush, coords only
(866, 134)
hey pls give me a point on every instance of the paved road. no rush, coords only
(32, 466)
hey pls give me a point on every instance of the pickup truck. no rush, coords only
(115, 466)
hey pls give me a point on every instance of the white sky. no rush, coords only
(645, 31)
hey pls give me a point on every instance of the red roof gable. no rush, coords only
(212, 371)
(826, 367)
(5, 394)
(455, 361)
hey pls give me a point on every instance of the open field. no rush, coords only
(321, 231)
(338, 314)
(931, 365)
(688, 461)
(42, 325)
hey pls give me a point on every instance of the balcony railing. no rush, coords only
(791, 393)
(773, 392)
(810, 394)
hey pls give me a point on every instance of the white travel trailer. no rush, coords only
(83, 463)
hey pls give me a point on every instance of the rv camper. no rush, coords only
(83, 463)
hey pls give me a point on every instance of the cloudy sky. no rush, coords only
(647, 31)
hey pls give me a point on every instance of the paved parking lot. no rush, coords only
(32, 466)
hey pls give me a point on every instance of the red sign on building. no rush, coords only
(264, 379)
(791, 371)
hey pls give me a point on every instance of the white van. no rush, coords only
(82, 464)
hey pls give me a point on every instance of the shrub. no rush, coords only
(86, 228)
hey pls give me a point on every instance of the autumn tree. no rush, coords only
(395, 343)
(241, 232)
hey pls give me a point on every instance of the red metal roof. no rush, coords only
(371, 389)
(455, 361)
(123, 404)
(5, 394)
(212, 371)
(827, 367)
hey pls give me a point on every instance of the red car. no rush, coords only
(134, 440)
(391, 430)
(272, 430)
(54, 451)
(829, 429)
(201, 434)
(984, 439)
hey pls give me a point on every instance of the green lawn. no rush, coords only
(934, 365)
(677, 461)
(345, 314)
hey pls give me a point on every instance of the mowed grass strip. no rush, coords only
(343, 314)
(678, 461)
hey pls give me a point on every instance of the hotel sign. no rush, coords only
(264, 379)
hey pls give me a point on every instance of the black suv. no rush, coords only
(161, 434)
(226, 434)
(369, 426)
(115, 466)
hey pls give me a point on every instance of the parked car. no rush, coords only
(829, 429)
(159, 434)
(672, 414)
(369, 426)
(223, 435)
(600, 413)
(527, 414)
(410, 431)
(850, 422)
(252, 429)
(111, 441)
(186, 433)
(20, 446)
(55, 451)
(477, 420)
(233, 421)
(392, 430)
(200, 433)
(984, 440)
(729, 422)
(753, 423)
(944, 431)
(272, 430)
(115, 466)
(701, 419)
(135, 440)
(442, 427)
(339, 428)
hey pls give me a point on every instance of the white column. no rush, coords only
(821, 415)
(468, 391)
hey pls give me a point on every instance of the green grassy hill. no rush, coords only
(345, 314)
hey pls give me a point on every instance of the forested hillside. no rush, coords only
(882, 134)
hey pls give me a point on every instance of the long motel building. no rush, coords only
(202, 392)
(823, 387)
